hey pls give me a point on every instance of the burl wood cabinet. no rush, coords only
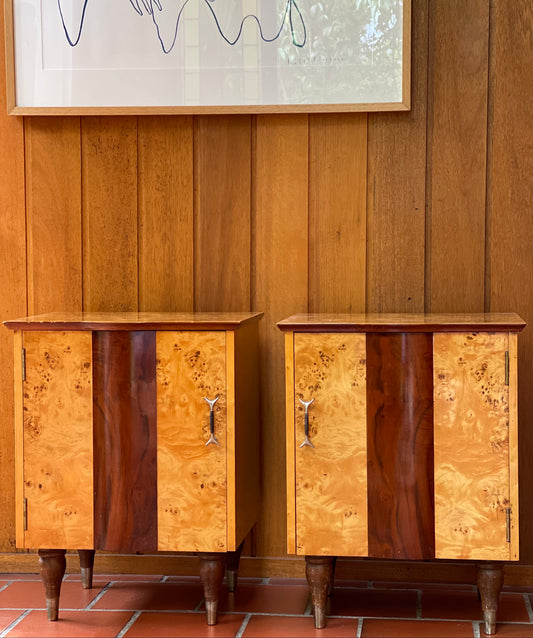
(136, 432)
(402, 442)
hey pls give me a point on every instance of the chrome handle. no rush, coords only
(306, 405)
(212, 438)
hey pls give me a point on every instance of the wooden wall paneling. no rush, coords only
(279, 288)
(396, 183)
(511, 202)
(222, 259)
(109, 200)
(166, 213)
(457, 130)
(13, 296)
(337, 212)
(53, 211)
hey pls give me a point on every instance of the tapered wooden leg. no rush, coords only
(212, 568)
(489, 582)
(86, 567)
(319, 571)
(232, 567)
(52, 564)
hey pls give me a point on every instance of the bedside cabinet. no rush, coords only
(402, 442)
(136, 432)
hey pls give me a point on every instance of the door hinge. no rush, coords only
(507, 367)
(25, 513)
(23, 355)
(508, 524)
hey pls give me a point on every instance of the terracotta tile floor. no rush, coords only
(159, 606)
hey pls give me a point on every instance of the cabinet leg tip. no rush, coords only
(211, 612)
(231, 579)
(86, 577)
(52, 609)
(320, 618)
(489, 622)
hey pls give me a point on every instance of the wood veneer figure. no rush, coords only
(402, 443)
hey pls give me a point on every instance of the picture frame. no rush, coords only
(207, 56)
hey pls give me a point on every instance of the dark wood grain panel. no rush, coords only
(125, 441)
(400, 446)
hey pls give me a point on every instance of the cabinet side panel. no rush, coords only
(290, 443)
(401, 522)
(471, 407)
(331, 483)
(513, 444)
(19, 440)
(58, 440)
(247, 460)
(191, 476)
(125, 441)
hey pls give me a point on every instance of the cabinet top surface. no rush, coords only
(388, 322)
(134, 321)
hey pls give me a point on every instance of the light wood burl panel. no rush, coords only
(471, 412)
(331, 483)
(191, 476)
(58, 440)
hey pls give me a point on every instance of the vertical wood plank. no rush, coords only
(280, 285)
(53, 205)
(397, 190)
(222, 224)
(331, 477)
(337, 212)
(401, 520)
(12, 287)
(511, 203)
(458, 149)
(125, 441)
(166, 213)
(109, 187)
(58, 446)
(191, 475)
(471, 408)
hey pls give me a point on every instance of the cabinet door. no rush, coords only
(57, 440)
(330, 477)
(472, 452)
(191, 476)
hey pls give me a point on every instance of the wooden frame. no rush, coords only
(47, 76)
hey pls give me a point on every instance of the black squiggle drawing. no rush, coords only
(151, 6)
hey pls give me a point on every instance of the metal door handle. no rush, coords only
(306, 405)
(212, 438)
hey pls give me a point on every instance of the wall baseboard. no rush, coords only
(283, 567)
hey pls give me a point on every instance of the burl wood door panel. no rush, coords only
(331, 477)
(192, 476)
(471, 408)
(58, 440)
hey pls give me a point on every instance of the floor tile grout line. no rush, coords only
(98, 596)
(13, 624)
(476, 629)
(359, 628)
(128, 625)
(527, 602)
(243, 626)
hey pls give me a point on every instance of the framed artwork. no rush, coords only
(207, 56)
